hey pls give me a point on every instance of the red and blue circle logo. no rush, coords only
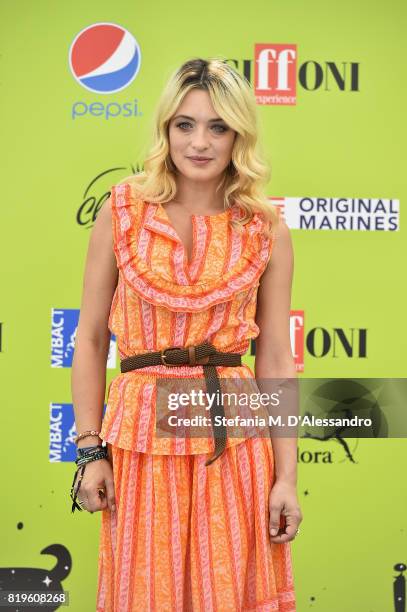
(104, 58)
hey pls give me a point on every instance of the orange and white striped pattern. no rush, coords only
(185, 537)
(190, 538)
(163, 300)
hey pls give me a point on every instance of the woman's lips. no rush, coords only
(199, 162)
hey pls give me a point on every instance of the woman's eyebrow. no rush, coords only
(192, 119)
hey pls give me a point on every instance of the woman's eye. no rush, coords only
(217, 127)
(222, 127)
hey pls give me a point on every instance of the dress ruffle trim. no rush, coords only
(161, 291)
(131, 412)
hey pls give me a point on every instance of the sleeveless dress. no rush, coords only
(185, 537)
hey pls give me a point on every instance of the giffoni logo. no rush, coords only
(321, 342)
(274, 73)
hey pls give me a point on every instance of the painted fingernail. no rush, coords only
(274, 532)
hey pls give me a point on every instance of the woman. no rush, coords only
(180, 256)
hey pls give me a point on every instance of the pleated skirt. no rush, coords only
(191, 538)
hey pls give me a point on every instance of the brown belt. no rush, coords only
(204, 354)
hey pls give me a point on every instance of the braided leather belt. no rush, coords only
(204, 354)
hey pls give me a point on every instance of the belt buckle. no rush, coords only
(162, 356)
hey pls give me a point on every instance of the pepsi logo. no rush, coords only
(104, 58)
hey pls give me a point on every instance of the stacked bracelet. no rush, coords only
(88, 454)
(82, 451)
(101, 454)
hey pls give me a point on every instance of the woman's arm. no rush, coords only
(274, 357)
(88, 379)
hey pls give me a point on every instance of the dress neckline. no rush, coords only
(189, 261)
(157, 271)
(220, 214)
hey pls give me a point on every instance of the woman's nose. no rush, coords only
(200, 138)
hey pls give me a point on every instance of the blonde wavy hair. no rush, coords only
(247, 174)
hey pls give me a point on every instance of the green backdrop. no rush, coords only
(332, 142)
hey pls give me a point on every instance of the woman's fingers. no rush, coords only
(82, 500)
(284, 512)
(292, 522)
(95, 501)
(274, 519)
(96, 490)
(288, 529)
(110, 496)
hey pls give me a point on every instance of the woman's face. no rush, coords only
(196, 130)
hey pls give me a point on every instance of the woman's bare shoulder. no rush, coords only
(105, 213)
(100, 276)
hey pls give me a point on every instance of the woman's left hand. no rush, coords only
(284, 507)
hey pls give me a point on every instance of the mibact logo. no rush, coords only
(62, 432)
(64, 326)
(104, 58)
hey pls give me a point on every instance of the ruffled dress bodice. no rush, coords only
(162, 300)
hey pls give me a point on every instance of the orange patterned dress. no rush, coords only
(185, 537)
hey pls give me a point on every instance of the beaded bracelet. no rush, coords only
(85, 434)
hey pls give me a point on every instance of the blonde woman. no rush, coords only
(187, 263)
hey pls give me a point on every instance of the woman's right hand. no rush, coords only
(98, 474)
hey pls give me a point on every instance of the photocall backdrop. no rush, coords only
(79, 86)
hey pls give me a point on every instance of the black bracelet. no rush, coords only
(91, 457)
(81, 451)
